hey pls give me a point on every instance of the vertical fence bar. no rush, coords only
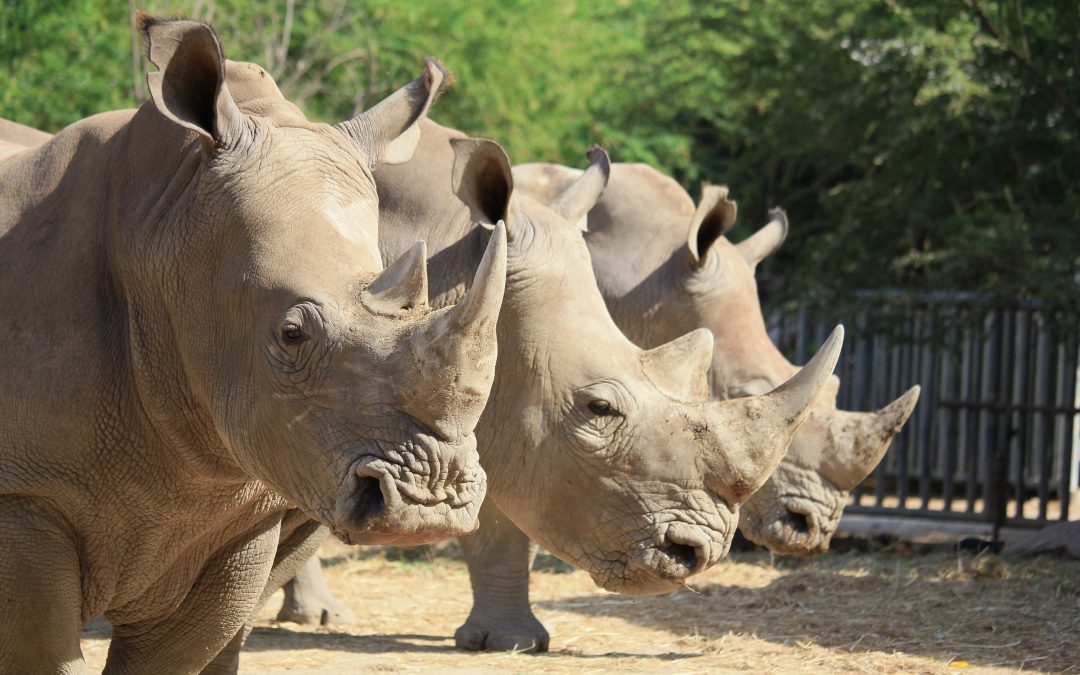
(1072, 354)
(1003, 438)
(989, 422)
(1042, 386)
(897, 363)
(879, 371)
(948, 439)
(859, 383)
(928, 372)
(974, 416)
(1023, 356)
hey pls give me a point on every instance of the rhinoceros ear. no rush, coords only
(762, 243)
(714, 217)
(482, 179)
(575, 202)
(389, 132)
(189, 87)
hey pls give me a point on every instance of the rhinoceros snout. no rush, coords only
(677, 561)
(422, 492)
(682, 551)
(370, 502)
(796, 529)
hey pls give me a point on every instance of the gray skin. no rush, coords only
(199, 344)
(665, 266)
(501, 618)
(606, 454)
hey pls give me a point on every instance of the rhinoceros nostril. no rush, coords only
(369, 499)
(798, 522)
(677, 561)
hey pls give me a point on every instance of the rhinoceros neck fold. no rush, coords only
(66, 251)
(647, 307)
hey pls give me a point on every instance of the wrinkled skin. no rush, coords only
(578, 414)
(665, 267)
(196, 348)
(648, 484)
(653, 497)
(666, 470)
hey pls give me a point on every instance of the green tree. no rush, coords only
(918, 145)
(915, 145)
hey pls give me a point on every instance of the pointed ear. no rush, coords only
(403, 285)
(482, 179)
(762, 243)
(189, 87)
(389, 132)
(714, 217)
(575, 202)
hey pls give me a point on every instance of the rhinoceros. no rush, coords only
(665, 267)
(607, 454)
(199, 336)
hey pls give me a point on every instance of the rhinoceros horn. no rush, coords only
(762, 426)
(402, 285)
(575, 202)
(457, 345)
(388, 132)
(863, 438)
(762, 243)
(680, 368)
(714, 217)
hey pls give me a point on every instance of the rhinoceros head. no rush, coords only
(610, 456)
(666, 267)
(329, 381)
(799, 508)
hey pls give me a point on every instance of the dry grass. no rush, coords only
(882, 611)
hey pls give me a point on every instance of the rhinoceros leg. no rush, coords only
(216, 607)
(499, 556)
(300, 540)
(39, 575)
(308, 600)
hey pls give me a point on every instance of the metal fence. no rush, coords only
(994, 436)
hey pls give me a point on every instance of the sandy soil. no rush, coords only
(895, 610)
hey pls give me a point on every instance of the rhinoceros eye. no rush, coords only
(602, 408)
(291, 334)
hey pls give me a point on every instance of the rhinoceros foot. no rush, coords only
(316, 609)
(522, 633)
(309, 601)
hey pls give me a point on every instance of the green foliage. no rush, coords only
(915, 145)
(62, 60)
(919, 145)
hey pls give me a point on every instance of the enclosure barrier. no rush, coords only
(994, 436)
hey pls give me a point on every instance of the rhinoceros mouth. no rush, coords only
(674, 552)
(681, 550)
(405, 495)
(800, 526)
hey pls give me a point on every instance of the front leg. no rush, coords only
(499, 556)
(40, 590)
(308, 600)
(218, 605)
(299, 541)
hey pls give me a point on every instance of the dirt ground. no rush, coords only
(870, 609)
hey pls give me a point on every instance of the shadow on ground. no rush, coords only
(1020, 613)
(269, 638)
